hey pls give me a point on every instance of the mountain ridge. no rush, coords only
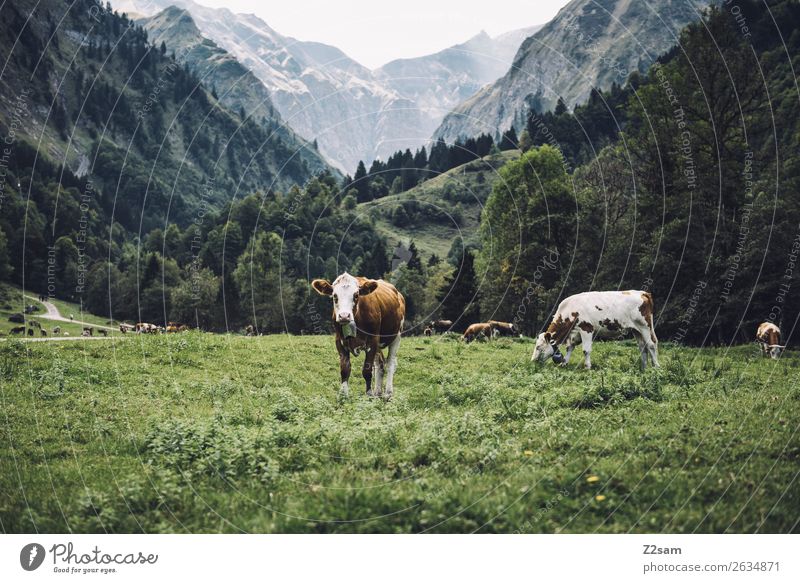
(241, 90)
(353, 112)
(589, 43)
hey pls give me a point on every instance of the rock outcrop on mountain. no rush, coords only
(234, 84)
(590, 43)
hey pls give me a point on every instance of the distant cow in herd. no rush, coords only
(367, 314)
(582, 317)
(475, 331)
(490, 329)
(768, 336)
(440, 325)
(146, 328)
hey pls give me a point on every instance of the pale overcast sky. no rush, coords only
(376, 31)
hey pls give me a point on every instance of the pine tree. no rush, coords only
(414, 261)
(360, 182)
(457, 296)
(509, 140)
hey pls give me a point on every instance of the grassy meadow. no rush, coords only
(470, 183)
(13, 302)
(210, 433)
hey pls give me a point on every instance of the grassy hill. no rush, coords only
(203, 433)
(440, 209)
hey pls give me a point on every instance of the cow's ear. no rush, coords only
(548, 337)
(322, 286)
(367, 287)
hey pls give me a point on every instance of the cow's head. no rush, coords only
(775, 351)
(544, 348)
(345, 291)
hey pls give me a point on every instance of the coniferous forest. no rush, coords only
(146, 199)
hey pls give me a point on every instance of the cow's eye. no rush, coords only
(335, 299)
(355, 297)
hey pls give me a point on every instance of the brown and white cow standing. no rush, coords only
(475, 331)
(608, 314)
(367, 314)
(503, 328)
(769, 337)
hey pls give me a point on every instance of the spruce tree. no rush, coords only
(457, 296)
(414, 261)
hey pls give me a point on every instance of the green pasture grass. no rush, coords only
(11, 302)
(196, 432)
(67, 308)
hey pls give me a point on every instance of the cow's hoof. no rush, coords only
(371, 394)
(563, 364)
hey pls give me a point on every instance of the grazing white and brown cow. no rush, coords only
(769, 337)
(582, 317)
(367, 314)
(478, 330)
(441, 325)
(503, 328)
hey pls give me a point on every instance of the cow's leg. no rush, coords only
(369, 365)
(652, 347)
(572, 341)
(568, 353)
(344, 369)
(642, 347)
(586, 340)
(379, 368)
(392, 367)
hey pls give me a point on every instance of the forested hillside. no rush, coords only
(695, 199)
(121, 166)
(682, 180)
(231, 82)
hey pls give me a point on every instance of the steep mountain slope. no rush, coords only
(153, 143)
(324, 95)
(439, 82)
(237, 88)
(590, 43)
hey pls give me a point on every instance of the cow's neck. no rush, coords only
(560, 328)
